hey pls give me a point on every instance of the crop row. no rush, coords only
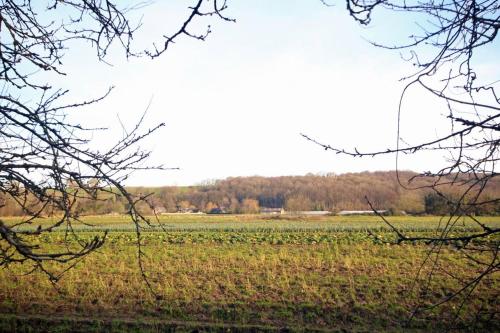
(274, 238)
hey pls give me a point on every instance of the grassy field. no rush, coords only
(246, 273)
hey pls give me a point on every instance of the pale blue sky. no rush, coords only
(236, 104)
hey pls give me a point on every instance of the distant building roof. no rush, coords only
(267, 210)
(360, 212)
(310, 212)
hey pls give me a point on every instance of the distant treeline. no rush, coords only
(328, 192)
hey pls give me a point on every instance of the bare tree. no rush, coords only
(47, 163)
(443, 51)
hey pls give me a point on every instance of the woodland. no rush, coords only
(311, 192)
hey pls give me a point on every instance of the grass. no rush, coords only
(244, 273)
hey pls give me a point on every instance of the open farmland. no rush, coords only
(247, 273)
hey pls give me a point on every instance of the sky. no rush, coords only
(236, 104)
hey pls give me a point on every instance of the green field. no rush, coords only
(248, 273)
